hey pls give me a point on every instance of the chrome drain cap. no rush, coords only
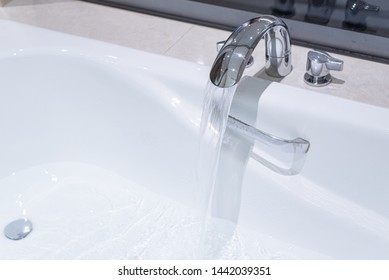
(18, 229)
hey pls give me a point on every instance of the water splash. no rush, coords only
(94, 213)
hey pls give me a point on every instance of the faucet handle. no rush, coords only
(318, 68)
(324, 58)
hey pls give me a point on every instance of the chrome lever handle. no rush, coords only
(297, 147)
(318, 68)
(320, 57)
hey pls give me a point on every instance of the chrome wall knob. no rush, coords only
(18, 229)
(318, 68)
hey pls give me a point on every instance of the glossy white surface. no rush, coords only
(338, 204)
(99, 150)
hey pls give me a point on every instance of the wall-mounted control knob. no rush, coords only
(318, 68)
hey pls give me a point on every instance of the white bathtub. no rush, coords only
(99, 151)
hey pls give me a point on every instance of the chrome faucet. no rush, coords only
(227, 70)
(233, 57)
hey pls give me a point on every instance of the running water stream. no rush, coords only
(216, 107)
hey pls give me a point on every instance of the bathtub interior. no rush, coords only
(102, 166)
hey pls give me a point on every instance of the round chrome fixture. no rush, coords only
(18, 229)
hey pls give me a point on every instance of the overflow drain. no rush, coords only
(18, 229)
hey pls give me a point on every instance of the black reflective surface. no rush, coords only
(353, 27)
(371, 16)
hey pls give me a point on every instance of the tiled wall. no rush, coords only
(3, 2)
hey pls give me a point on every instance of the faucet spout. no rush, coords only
(233, 57)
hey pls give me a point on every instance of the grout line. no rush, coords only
(178, 40)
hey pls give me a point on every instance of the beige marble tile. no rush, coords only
(198, 45)
(10, 3)
(113, 25)
(4, 2)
